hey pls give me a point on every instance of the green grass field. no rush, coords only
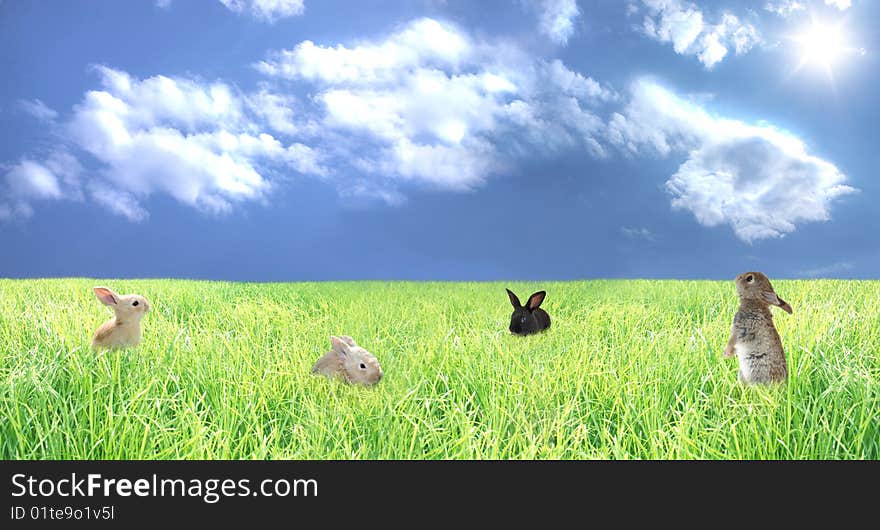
(629, 369)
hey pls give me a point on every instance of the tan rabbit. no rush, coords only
(753, 337)
(350, 362)
(124, 329)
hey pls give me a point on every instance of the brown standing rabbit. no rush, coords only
(753, 337)
(124, 329)
(350, 362)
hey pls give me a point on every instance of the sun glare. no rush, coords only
(823, 45)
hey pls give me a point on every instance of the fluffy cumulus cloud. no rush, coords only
(842, 5)
(427, 104)
(197, 142)
(785, 8)
(264, 10)
(276, 111)
(690, 32)
(435, 105)
(556, 19)
(53, 178)
(758, 179)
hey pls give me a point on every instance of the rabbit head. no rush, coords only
(359, 365)
(128, 307)
(524, 320)
(756, 286)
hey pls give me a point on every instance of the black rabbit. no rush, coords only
(531, 318)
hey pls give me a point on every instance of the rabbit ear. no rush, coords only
(785, 306)
(105, 295)
(348, 340)
(339, 345)
(535, 300)
(514, 301)
(773, 299)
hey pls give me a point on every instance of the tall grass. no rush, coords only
(629, 369)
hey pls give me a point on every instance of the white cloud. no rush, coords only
(756, 178)
(362, 192)
(266, 10)
(424, 43)
(637, 233)
(839, 4)
(118, 202)
(835, 269)
(38, 110)
(784, 8)
(178, 137)
(556, 18)
(434, 103)
(684, 25)
(757, 185)
(276, 110)
(31, 179)
(200, 143)
(574, 84)
(56, 177)
(427, 104)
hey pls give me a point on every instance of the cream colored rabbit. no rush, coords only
(350, 362)
(753, 337)
(124, 329)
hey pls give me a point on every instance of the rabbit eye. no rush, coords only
(135, 303)
(363, 366)
(750, 278)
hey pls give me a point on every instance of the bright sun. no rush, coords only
(823, 45)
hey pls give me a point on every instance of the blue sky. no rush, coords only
(284, 140)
